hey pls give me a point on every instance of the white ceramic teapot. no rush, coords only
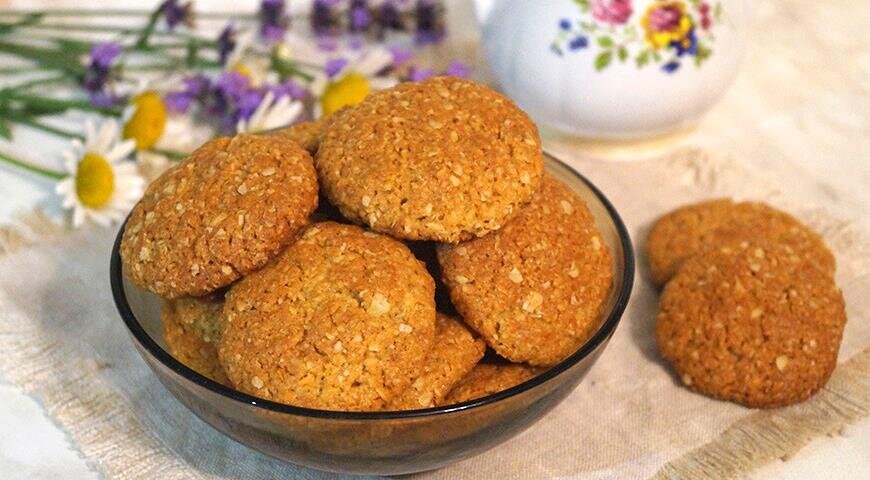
(614, 68)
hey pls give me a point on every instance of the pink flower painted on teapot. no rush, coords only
(614, 12)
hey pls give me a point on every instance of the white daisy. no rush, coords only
(101, 186)
(256, 67)
(344, 78)
(271, 114)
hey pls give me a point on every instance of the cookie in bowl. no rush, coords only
(343, 319)
(444, 159)
(191, 327)
(220, 214)
(534, 289)
(489, 378)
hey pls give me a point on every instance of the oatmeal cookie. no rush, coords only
(489, 378)
(444, 159)
(222, 213)
(343, 319)
(757, 323)
(191, 327)
(535, 289)
(682, 233)
(306, 134)
(455, 352)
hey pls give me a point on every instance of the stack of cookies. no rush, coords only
(289, 262)
(750, 311)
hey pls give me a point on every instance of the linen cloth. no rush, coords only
(63, 342)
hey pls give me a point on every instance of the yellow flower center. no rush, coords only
(350, 90)
(243, 70)
(95, 181)
(148, 121)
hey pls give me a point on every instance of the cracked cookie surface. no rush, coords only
(220, 214)
(343, 319)
(535, 289)
(757, 323)
(444, 159)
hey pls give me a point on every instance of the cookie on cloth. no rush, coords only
(343, 319)
(306, 134)
(444, 159)
(191, 327)
(535, 289)
(489, 378)
(455, 352)
(757, 323)
(220, 214)
(682, 233)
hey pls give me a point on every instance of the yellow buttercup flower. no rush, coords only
(665, 22)
(351, 89)
(148, 120)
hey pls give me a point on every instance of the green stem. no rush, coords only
(118, 12)
(47, 57)
(45, 172)
(55, 105)
(35, 82)
(173, 155)
(31, 122)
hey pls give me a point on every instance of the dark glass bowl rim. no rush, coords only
(604, 332)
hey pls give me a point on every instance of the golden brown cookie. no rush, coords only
(757, 323)
(489, 378)
(343, 319)
(306, 134)
(444, 159)
(191, 327)
(535, 289)
(455, 352)
(222, 213)
(684, 232)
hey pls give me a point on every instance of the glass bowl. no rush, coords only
(385, 443)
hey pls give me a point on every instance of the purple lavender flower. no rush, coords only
(400, 55)
(458, 69)
(324, 18)
(234, 98)
(389, 17)
(359, 16)
(99, 72)
(289, 88)
(102, 99)
(226, 42)
(420, 74)
(273, 20)
(176, 13)
(195, 88)
(103, 54)
(430, 23)
(333, 66)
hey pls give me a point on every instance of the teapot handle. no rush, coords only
(483, 9)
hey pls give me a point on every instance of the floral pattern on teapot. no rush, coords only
(668, 33)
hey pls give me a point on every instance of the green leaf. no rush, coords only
(192, 53)
(583, 4)
(46, 57)
(605, 42)
(5, 130)
(603, 60)
(28, 20)
(656, 56)
(623, 53)
(642, 58)
(146, 32)
(717, 11)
